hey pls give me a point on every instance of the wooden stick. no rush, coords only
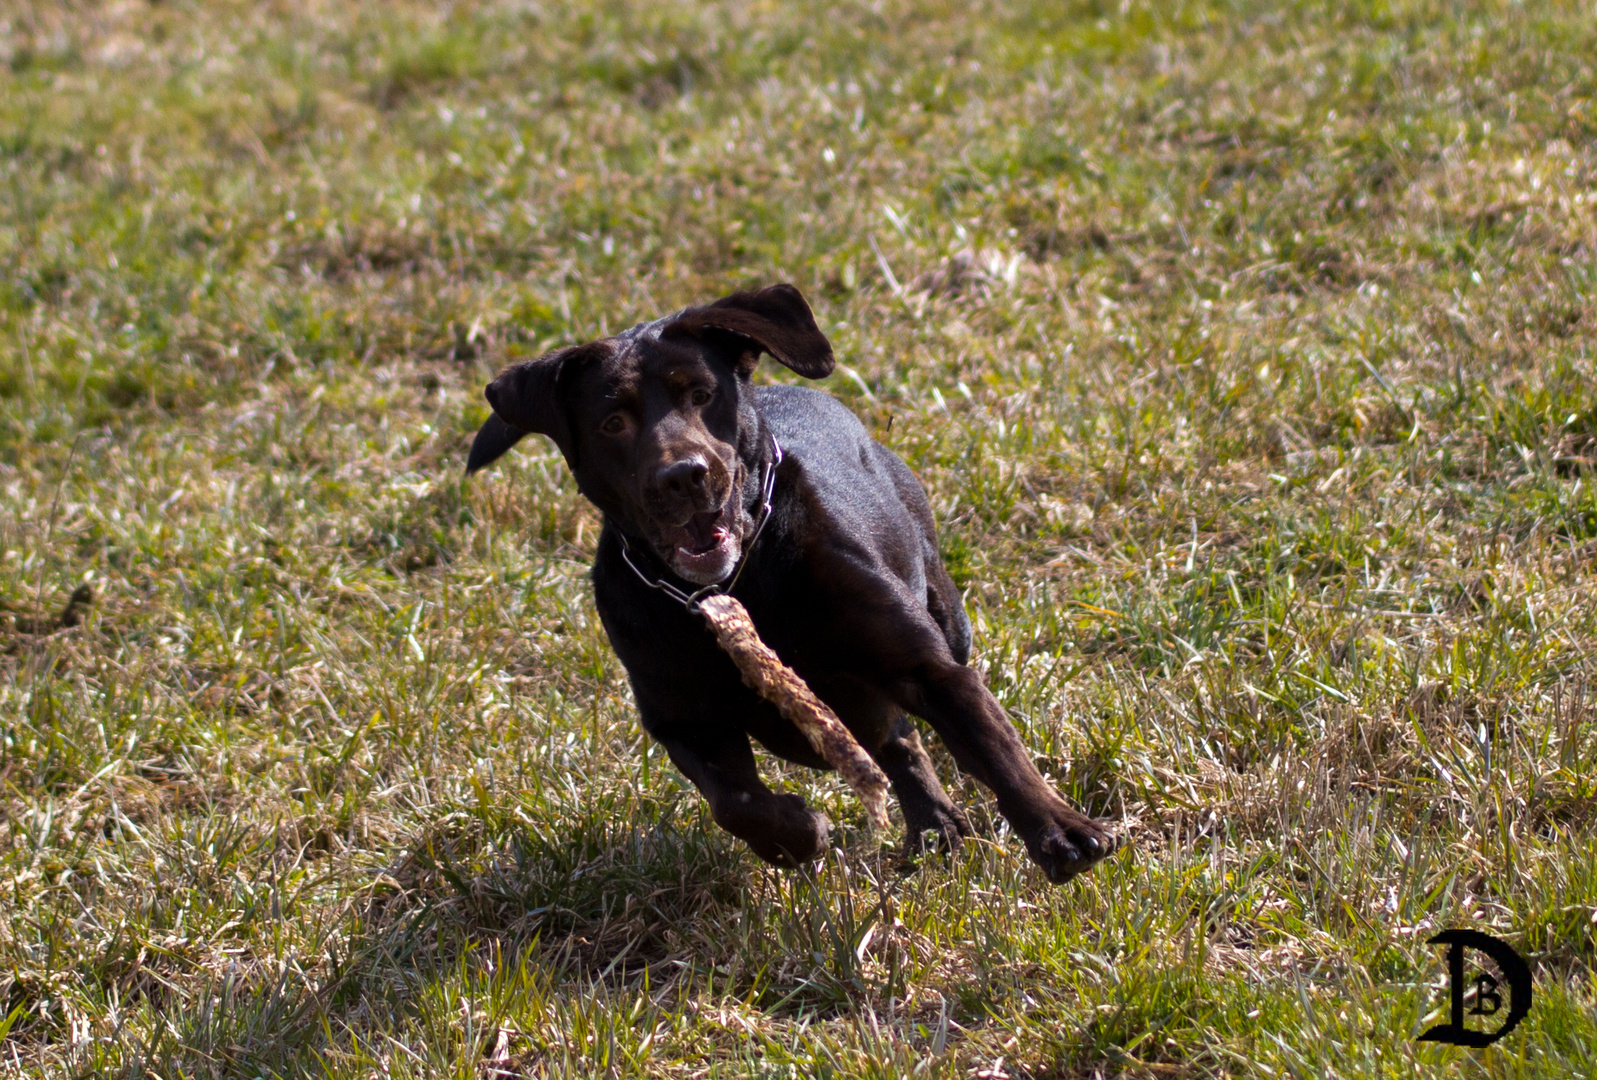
(779, 684)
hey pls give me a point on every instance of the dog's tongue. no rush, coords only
(702, 533)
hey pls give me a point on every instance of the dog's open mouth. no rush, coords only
(703, 550)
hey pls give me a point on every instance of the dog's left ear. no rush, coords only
(775, 319)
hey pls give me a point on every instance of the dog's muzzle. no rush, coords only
(703, 545)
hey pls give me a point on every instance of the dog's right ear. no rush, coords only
(526, 400)
(490, 443)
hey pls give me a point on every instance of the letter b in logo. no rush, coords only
(1488, 996)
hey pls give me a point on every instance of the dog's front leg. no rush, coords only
(780, 828)
(976, 730)
(928, 811)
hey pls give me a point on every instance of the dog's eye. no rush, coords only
(614, 424)
(701, 396)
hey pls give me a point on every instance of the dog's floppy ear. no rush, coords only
(525, 399)
(491, 441)
(776, 319)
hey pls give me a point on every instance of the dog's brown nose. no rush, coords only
(685, 478)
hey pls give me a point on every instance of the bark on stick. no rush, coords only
(782, 687)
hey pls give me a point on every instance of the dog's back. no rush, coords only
(872, 501)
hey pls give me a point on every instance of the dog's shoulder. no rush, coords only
(850, 500)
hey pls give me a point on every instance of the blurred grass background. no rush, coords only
(1246, 351)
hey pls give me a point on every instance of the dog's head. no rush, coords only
(658, 424)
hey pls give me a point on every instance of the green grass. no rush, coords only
(1259, 418)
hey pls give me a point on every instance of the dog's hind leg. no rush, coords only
(943, 600)
(780, 828)
(947, 609)
(928, 811)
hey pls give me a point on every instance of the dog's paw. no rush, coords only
(797, 835)
(1068, 843)
(940, 829)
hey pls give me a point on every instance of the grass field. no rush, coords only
(1247, 351)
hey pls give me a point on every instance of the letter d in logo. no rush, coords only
(1487, 998)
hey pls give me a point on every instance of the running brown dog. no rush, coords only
(666, 435)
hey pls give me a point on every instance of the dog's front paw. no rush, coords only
(938, 829)
(796, 835)
(1067, 843)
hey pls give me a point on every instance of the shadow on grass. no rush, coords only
(592, 904)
